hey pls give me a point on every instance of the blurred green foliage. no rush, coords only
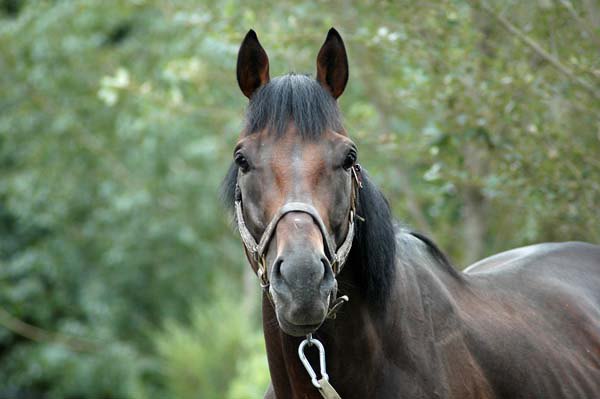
(220, 354)
(120, 276)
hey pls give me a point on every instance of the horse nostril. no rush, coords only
(277, 267)
(327, 272)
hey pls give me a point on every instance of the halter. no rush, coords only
(337, 258)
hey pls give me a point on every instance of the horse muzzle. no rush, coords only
(301, 276)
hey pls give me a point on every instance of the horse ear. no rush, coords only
(252, 65)
(332, 64)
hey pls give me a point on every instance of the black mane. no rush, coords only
(297, 98)
(374, 246)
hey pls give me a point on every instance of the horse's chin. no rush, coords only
(297, 330)
(298, 316)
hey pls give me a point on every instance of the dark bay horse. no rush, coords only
(521, 324)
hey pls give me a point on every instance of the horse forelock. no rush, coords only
(293, 98)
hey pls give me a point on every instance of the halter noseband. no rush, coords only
(257, 251)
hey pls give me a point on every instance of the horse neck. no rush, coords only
(365, 337)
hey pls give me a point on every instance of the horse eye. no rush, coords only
(350, 160)
(241, 162)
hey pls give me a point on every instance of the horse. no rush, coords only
(354, 304)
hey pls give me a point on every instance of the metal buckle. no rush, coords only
(313, 376)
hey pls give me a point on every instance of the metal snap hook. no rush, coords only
(313, 376)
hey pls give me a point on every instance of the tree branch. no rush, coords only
(40, 335)
(539, 50)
